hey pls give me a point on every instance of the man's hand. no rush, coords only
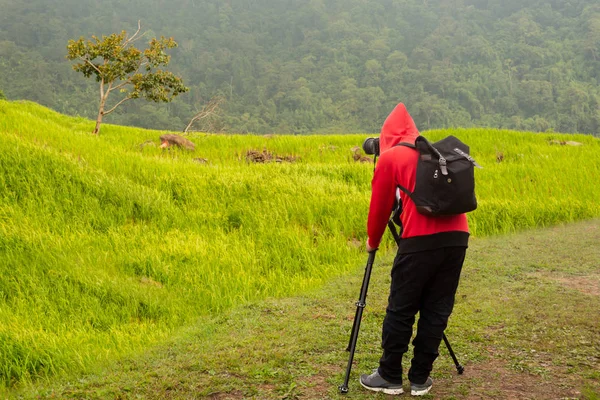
(369, 248)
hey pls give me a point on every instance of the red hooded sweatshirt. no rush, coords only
(397, 165)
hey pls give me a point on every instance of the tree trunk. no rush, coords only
(100, 115)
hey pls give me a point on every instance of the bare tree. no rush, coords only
(207, 115)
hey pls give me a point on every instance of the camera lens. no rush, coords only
(371, 146)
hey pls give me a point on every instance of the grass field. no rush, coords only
(110, 245)
(525, 326)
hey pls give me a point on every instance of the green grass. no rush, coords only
(108, 247)
(522, 328)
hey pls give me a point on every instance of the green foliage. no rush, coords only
(335, 66)
(2, 96)
(109, 244)
(117, 65)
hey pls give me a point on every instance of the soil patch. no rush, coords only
(172, 140)
(494, 379)
(587, 284)
(358, 157)
(266, 156)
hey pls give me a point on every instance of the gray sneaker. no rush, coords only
(376, 383)
(422, 389)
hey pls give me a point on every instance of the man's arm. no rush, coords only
(383, 192)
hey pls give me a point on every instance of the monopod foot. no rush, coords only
(343, 389)
(460, 369)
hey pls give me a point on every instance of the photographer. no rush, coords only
(426, 269)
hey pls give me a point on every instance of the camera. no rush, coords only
(371, 146)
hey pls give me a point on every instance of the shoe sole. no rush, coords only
(383, 390)
(421, 392)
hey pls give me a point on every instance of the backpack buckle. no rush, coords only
(443, 166)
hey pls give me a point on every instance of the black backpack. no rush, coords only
(445, 183)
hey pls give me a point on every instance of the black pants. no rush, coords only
(423, 282)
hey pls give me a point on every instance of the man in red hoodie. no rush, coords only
(426, 269)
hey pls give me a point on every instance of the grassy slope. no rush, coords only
(525, 327)
(107, 247)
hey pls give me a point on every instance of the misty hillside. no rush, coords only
(323, 66)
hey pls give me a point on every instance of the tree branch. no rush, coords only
(91, 64)
(133, 37)
(120, 85)
(207, 110)
(128, 80)
(117, 105)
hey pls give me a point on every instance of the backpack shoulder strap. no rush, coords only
(405, 190)
(412, 146)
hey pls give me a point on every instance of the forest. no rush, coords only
(327, 66)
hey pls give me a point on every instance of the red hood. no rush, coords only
(398, 127)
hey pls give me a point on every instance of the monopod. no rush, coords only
(360, 306)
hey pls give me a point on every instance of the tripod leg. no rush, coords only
(459, 368)
(360, 306)
(357, 318)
